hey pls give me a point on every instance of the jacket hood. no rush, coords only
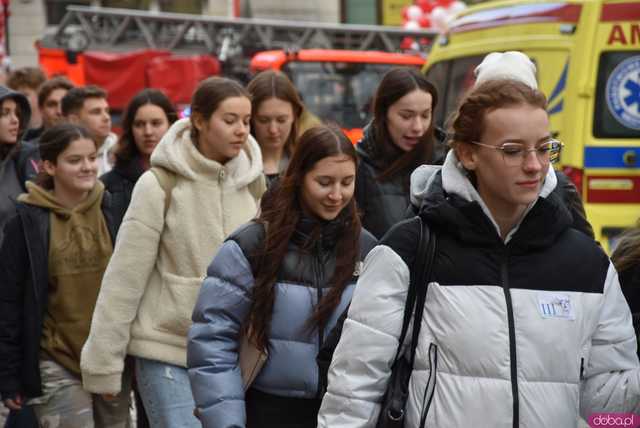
(177, 153)
(23, 105)
(40, 197)
(448, 198)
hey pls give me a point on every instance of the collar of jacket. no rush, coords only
(129, 169)
(311, 230)
(368, 150)
(177, 153)
(466, 220)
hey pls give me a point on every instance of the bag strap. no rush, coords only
(427, 251)
(167, 181)
(418, 286)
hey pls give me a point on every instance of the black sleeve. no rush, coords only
(14, 265)
(27, 163)
(325, 355)
(573, 202)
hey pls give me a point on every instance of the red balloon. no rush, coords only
(426, 5)
(424, 22)
(405, 16)
(406, 43)
(445, 3)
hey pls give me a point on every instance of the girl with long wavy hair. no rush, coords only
(285, 277)
(399, 139)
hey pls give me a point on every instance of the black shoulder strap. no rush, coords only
(418, 285)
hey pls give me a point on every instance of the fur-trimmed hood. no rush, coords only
(177, 153)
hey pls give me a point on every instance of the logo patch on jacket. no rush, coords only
(556, 305)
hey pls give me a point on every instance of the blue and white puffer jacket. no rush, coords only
(527, 332)
(223, 306)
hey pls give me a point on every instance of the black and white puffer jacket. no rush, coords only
(530, 331)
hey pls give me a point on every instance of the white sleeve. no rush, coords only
(123, 284)
(361, 365)
(612, 373)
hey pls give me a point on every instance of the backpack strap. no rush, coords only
(167, 181)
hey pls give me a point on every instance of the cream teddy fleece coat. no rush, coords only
(158, 265)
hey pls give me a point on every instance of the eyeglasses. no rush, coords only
(514, 154)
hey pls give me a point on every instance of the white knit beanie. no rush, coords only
(508, 65)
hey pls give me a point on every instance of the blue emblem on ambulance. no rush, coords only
(623, 92)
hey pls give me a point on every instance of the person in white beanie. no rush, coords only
(524, 323)
(515, 65)
(507, 65)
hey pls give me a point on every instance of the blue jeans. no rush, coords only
(166, 394)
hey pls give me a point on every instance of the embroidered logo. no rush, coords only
(556, 305)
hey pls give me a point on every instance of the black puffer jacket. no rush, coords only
(382, 203)
(120, 182)
(536, 319)
(19, 164)
(24, 271)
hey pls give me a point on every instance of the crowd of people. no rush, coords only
(248, 267)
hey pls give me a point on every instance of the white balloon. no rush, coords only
(411, 25)
(457, 7)
(439, 18)
(414, 13)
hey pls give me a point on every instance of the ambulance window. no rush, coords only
(452, 79)
(617, 108)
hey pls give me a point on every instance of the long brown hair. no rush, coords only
(275, 84)
(627, 253)
(395, 84)
(280, 214)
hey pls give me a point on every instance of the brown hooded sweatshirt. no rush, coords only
(79, 249)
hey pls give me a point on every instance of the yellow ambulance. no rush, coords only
(587, 53)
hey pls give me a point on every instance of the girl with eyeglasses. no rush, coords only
(524, 322)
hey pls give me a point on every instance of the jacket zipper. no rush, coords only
(512, 342)
(431, 383)
(581, 369)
